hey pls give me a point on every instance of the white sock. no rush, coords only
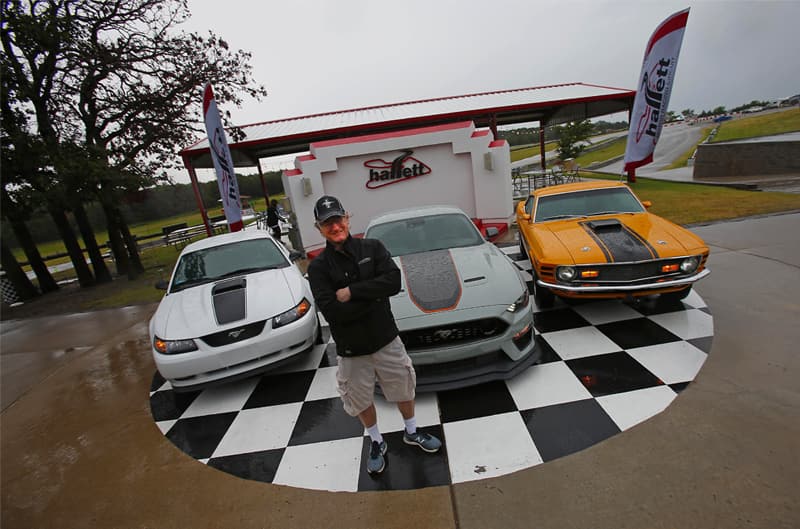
(411, 425)
(374, 433)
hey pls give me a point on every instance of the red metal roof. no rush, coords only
(550, 105)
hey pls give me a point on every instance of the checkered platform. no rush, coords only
(606, 366)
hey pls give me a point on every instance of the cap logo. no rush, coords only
(327, 203)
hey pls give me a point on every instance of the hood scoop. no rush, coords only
(432, 280)
(230, 300)
(605, 225)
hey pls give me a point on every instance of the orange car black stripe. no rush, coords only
(653, 252)
(619, 244)
(603, 248)
(432, 280)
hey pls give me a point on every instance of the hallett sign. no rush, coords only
(400, 169)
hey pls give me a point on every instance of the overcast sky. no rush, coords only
(317, 56)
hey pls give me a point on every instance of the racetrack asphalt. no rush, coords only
(80, 449)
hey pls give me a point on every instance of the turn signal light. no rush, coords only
(585, 274)
(160, 345)
(670, 268)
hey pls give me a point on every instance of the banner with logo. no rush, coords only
(654, 88)
(223, 163)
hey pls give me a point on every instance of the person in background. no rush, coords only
(351, 281)
(274, 218)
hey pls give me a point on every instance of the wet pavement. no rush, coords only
(80, 448)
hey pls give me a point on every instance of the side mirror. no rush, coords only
(162, 284)
(294, 255)
(647, 204)
(525, 216)
(492, 232)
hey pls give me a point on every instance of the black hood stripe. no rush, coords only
(230, 300)
(599, 242)
(620, 244)
(432, 280)
(650, 248)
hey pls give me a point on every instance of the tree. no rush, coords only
(22, 156)
(114, 87)
(572, 138)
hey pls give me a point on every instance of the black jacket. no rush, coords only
(273, 217)
(364, 324)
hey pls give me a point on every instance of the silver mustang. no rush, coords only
(463, 310)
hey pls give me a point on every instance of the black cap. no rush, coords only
(327, 207)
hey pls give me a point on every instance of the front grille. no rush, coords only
(629, 272)
(236, 334)
(455, 333)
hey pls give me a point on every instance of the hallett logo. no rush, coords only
(402, 168)
(654, 85)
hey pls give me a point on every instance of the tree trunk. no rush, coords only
(23, 285)
(115, 240)
(101, 273)
(39, 267)
(136, 268)
(85, 277)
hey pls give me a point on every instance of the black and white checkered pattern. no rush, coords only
(606, 367)
(9, 293)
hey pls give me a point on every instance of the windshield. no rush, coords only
(586, 203)
(228, 260)
(423, 234)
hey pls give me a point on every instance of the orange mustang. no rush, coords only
(596, 240)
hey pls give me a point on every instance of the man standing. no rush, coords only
(352, 280)
(273, 219)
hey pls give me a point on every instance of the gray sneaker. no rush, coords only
(376, 462)
(425, 441)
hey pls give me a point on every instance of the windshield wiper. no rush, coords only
(614, 213)
(248, 270)
(554, 217)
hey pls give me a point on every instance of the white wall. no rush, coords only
(458, 176)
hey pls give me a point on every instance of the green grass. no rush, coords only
(527, 152)
(695, 203)
(763, 125)
(56, 247)
(613, 149)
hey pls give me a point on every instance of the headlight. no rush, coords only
(566, 273)
(173, 347)
(295, 313)
(520, 303)
(689, 264)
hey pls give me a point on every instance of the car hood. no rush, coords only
(190, 313)
(618, 238)
(456, 279)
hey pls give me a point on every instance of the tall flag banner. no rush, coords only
(655, 86)
(223, 163)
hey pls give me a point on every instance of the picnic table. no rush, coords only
(183, 236)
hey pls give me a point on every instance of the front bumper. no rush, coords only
(654, 286)
(209, 365)
(475, 362)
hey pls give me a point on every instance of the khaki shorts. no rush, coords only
(389, 365)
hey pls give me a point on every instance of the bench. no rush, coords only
(182, 236)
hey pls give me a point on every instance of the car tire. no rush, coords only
(522, 251)
(674, 297)
(543, 297)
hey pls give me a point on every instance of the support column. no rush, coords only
(541, 146)
(197, 196)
